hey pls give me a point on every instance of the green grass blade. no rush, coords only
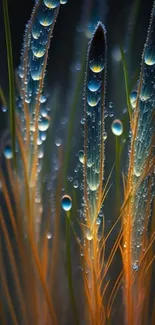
(11, 77)
(126, 79)
(2, 98)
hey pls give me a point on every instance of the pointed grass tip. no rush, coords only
(97, 47)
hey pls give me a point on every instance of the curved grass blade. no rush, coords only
(140, 183)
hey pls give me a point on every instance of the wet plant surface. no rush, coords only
(77, 161)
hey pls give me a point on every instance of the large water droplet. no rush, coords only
(89, 235)
(45, 16)
(117, 127)
(96, 65)
(58, 142)
(149, 57)
(81, 156)
(8, 152)
(42, 99)
(51, 4)
(63, 2)
(43, 124)
(66, 202)
(38, 49)
(137, 171)
(94, 85)
(93, 99)
(36, 68)
(133, 98)
(75, 184)
(36, 30)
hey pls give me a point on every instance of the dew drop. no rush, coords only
(81, 156)
(42, 99)
(43, 136)
(104, 135)
(117, 127)
(43, 124)
(51, 4)
(93, 99)
(4, 109)
(49, 235)
(89, 235)
(8, 154)
(63, 2)
(43, 112)
(137, 171)
(66, 202)
(94, 85)
(58, 142)
(96, 65)
(98, 221)
(111, 105)
(133, 98)
(76, 184)
(46, 17)
(149, 57)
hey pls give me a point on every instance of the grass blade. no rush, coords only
(11, 77)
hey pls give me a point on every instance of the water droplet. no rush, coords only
(8, 154)
(43, 124)
(133, 98)
(58, 142)
(49, 235)
(36, 29)
(76, 184)
(81, 156)
(66, 202)
(89, 235)
(149, 57)
(42, 99)
(117, 127)
(51, 4)
(104, 135)
(98, 221)
(111, 105)
(96, 65)
(45, 16)
(36, 68)
(43, 136)
(135, 266)
(40, 152)
(94, 85)
(93, 99)
(137, 171)
(63, 2)
(4, 109)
